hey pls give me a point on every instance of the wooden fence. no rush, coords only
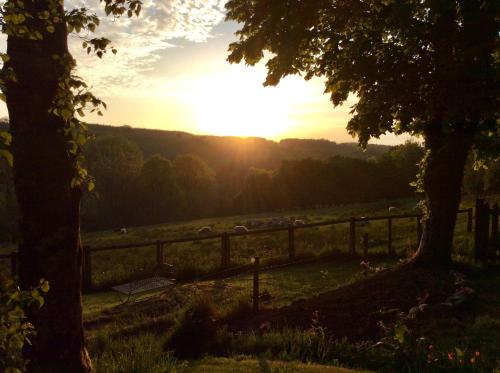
(225, 238)
(486, 243)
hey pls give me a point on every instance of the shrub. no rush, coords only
(194, 332)
(15, 330)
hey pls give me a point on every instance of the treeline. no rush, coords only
(338, 180)
(217, 151)
(133, 189)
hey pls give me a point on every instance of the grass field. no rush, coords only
(197, 259)
(129, 338)
(194, 259)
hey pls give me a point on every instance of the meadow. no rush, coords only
(131, 337)
(192, 260)
(195, 260)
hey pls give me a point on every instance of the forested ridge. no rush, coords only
(151, 176)
(219, 150)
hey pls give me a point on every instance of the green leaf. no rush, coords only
(400, 332)
(8, 156)
(7, 137)
(45, 287)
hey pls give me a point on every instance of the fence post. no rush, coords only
(223, 250)
(256, 264)
(291, 242)
(469, 220)
(87, 268)
(494, 231)
(352, 236)
(482, 231)
(389, 236)
(159, 253)
(13, 264)
(365, 246)
(226, 253)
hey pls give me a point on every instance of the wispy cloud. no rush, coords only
(141, 42)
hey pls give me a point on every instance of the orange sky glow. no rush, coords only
(171, 73)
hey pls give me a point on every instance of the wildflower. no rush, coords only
(477, 354)
(451, 355)
(472, 360)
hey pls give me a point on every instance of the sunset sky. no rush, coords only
(171, 73)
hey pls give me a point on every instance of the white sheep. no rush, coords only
(240, 229)
(393, 209)
(362, 223)
(299, 222)
(123, 231)
(205, 230)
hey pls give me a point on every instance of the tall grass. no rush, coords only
(137, 354)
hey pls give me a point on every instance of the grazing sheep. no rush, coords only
(205, 230)
(123, 231)
(393, 209)
(240, 229)
(299, 223)
(251, 224)
(363, 222)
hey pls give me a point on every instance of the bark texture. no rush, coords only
(444, 172)
(49, 206)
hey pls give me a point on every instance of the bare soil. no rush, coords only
(354, 310)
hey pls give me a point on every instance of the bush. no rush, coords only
(194, 332)
(135, 355)
(15, 330)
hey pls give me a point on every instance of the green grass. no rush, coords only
(197, 259)
(113, 326)
(130, 338)
(125, 339)
(285, 285)
(246, 365)
(143, 354)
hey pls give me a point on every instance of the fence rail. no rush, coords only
(224, 237)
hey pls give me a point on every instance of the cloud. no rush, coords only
(142, 41)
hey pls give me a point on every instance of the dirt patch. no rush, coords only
(353, 310)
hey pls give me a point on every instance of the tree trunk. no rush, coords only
(444, 171)
(49, 205)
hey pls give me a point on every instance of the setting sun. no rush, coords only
(223, 108)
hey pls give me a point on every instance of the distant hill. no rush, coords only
(218, 151)
(221, 150)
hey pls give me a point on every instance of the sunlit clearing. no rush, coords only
(231, 105)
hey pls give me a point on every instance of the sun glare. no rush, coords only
(231, 105)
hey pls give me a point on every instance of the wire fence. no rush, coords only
(215, 255)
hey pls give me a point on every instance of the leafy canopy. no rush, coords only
(415, 65)
(37, 21)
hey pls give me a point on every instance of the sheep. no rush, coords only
(123, 231)
(363, 222)
(254, 224)
(240, 229)
(205, 230)
(299, 222)
(393, 209)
